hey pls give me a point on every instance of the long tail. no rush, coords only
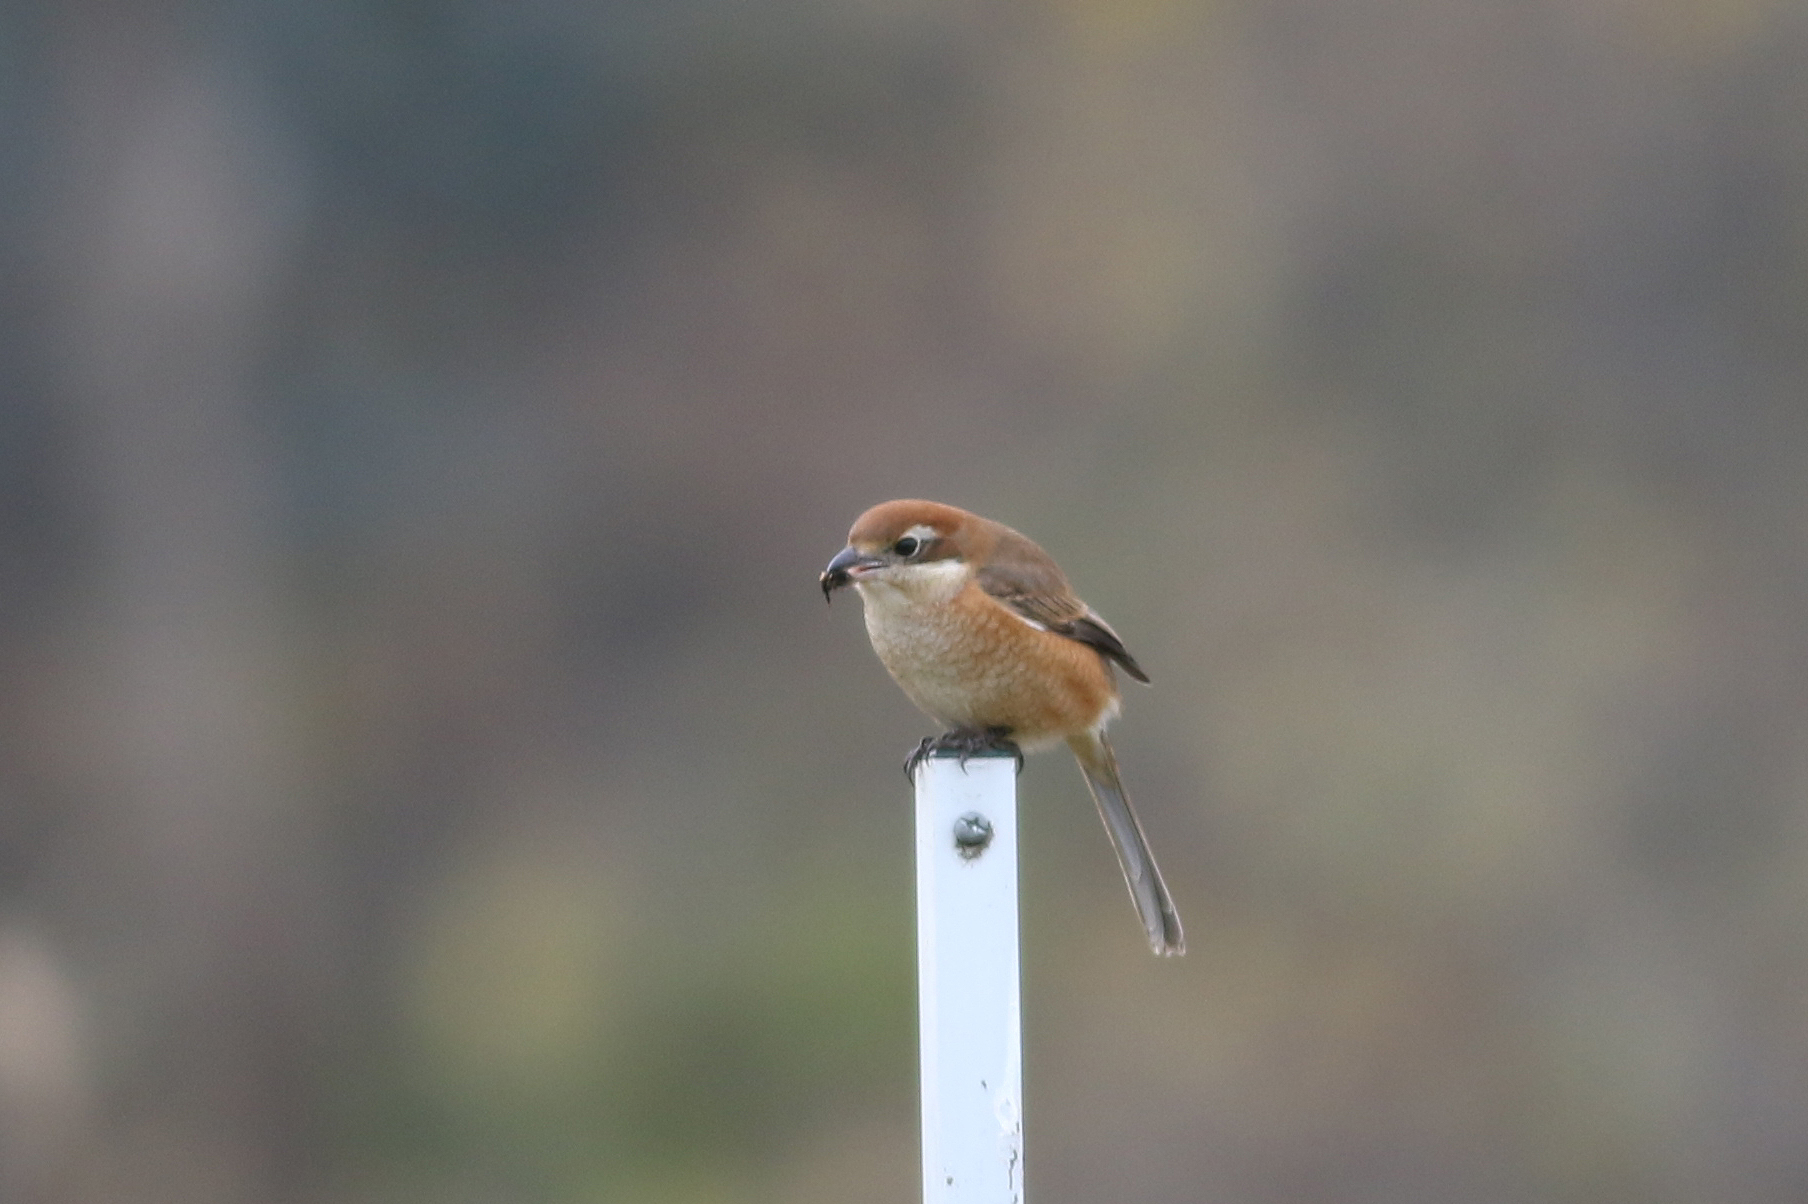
(1150, 893)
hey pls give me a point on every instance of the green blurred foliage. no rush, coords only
(427, 771)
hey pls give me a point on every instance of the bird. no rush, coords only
(982, 631)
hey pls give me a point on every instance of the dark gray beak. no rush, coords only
(844, 568)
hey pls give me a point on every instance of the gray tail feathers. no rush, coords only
(1150, 893)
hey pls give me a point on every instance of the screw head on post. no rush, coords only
(972, 833)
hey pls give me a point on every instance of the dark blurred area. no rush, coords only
(429, 771)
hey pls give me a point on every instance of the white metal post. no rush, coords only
(967, 980)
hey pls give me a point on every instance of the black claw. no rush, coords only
(966, 743)
(917, 756)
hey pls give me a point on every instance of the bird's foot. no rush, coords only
(965, 743)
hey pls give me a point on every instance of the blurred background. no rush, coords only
(428, 771)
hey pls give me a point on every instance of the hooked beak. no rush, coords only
(848, 566)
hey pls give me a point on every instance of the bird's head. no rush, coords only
(902, 540)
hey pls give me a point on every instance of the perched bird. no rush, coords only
(981, 629)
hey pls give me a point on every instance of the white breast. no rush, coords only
(913, 632)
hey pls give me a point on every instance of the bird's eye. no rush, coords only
(906, 546)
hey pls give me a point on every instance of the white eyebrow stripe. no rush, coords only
(922, 533)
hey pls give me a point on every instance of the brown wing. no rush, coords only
(1095, 631)
(1024, 578)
